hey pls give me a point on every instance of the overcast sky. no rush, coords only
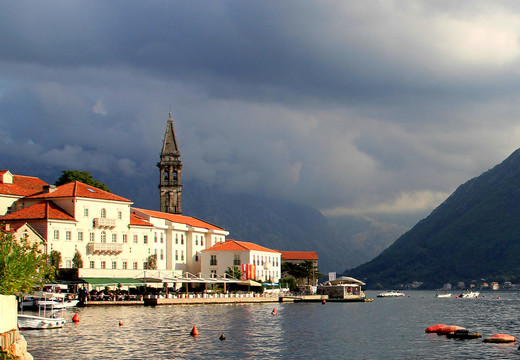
(354, 107)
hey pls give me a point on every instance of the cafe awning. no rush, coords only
(112, 281)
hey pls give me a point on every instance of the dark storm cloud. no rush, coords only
(364, 107)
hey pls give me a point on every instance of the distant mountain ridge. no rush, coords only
(472, 235)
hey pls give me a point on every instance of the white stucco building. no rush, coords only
(255, 261)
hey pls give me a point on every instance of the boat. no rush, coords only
(47, 317)
(445, 295)
(467, 294)
(33, 322)
(392, 293)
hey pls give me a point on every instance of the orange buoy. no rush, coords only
(194, 331)
(274, 312)
(500, 338)
(449, 328)
(75, 318)
(323, 302)
(120, 322)
(434, 328)
(498, 297)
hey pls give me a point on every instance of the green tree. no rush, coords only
(234, 272)
(305, 270)
(77, 261)
(55, 259)
(151, 262)
(85, 177)
(22, 265)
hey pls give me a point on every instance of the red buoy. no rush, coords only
(120, 322)
(323, 302)
(75, 318)
(434, 328)
(274, 312)
(194, 331)
(500, 338)
(449, 328)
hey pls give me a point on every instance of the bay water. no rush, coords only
(387, 328)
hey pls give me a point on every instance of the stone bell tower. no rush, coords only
(170, 167)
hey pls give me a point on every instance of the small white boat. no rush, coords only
(467, 294)
(47, 318)
(392, 293)
(33, 322)
(445, 295)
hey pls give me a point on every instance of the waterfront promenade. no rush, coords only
(193, 299)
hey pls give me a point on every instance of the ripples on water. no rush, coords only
(384, 329)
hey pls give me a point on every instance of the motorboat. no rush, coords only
(47, 317)
(392, 293)
(445, 295)
(33, 322)
(468, 294)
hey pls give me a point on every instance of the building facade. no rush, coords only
(254, 261)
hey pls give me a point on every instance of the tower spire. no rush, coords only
(170, 167)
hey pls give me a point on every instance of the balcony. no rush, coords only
(104, 249)
(104, 223)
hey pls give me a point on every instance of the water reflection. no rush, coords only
(386, 328)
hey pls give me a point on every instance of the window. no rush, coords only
(103, 213)
(135, 239)
(25, 234)
(91, 237)
(80, 236)
(119, 215)
(196, 240)
(196, 257)
(68, 264)
(213, 260)
(213, 273)
(202, 241)
(145, 266)
(176, 238)
(92, 264)
(161, 238)
(124, 265)
(135, 265)
(114, 237)
(145, 239)
(103, 237)
(103, 265)
(125, 238)
(56, 234)
(182, 239)
(236, 260)
(155, 237)
(162, 254)
(85, 212)
(114, 265)
(182, 255)
(68, 235)
(176, 254)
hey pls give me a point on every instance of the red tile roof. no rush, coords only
(137, 220)
(233, 245)
(299, 255)
(22, 185)
(79, 189)
(181, 219)
(44, 210)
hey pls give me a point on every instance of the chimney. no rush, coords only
(47, 189)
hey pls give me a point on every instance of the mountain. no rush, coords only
(473, 235)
